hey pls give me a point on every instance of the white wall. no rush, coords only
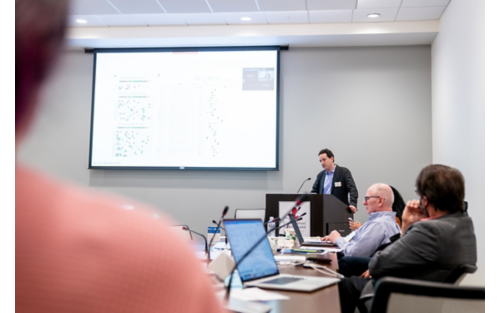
(458, 107)
(370, 105)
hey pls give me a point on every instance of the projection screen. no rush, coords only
(203, 108)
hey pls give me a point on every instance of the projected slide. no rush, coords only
(205, 109)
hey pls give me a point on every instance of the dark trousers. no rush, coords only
(349, 291)
(353, 266)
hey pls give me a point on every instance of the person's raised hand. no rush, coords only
(412, 214)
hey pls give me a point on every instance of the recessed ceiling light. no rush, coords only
(246, 19)
(373, 15)
(81, 21)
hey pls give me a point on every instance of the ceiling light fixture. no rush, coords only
(81, 21)
(373, 15)
(246, 19)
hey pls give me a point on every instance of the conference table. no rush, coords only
(323, 300)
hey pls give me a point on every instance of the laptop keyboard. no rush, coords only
(282, 280)
(321, 243)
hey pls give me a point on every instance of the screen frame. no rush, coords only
(264, 241)
(186, 49)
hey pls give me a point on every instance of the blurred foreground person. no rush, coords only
(78, 251)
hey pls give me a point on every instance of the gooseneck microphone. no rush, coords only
(297, 219)
(214, 222)
(204, 238)
(298, 201)
(303, 184)
(224, 212)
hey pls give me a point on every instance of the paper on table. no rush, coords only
(327, 249)
(290, 258)
(256, 294)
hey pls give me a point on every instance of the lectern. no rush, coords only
(327, 212)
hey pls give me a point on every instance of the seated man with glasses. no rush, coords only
(437, 237)
(381, 225)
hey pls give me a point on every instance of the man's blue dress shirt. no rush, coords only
(327, 185)
(381, 226)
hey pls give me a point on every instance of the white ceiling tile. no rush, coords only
(424, 3)
(89, 7)
(137, 7)
(282, 5)
(204, 19)
(162, 19)
(420, 14)
(313, 5)
(185, 6)
(386, 15)
(122, 20)
(330, 16)
(290, 17)
(92, 21)
(379, 4)
(235, 18)
(233, 6)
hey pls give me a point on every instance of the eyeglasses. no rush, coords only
(368, 198)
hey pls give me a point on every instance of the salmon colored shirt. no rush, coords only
(79, 251)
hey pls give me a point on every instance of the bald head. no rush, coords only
(386, 195)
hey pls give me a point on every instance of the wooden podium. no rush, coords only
(327, 212)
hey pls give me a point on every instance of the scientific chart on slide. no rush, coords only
(185, 109)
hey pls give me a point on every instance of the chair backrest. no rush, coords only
(393, 295)
(250, 213)
(458, 274)
(183, 231)
(399, 203)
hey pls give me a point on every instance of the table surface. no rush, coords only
(323, 300)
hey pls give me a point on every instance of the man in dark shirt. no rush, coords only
(335, 180)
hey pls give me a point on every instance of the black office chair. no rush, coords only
(454, 278)
(399, 204)
(411, 296)
(458, 274)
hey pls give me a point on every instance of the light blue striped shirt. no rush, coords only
(381, 226)
(327, 185)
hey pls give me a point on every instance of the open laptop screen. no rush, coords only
(242, 235)
(296, 228)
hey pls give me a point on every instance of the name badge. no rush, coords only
(338, 184)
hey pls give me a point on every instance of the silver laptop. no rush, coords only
(259, 269)
(304, 243)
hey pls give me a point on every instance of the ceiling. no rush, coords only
(159, 23)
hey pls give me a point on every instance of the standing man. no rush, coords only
(335, 180)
